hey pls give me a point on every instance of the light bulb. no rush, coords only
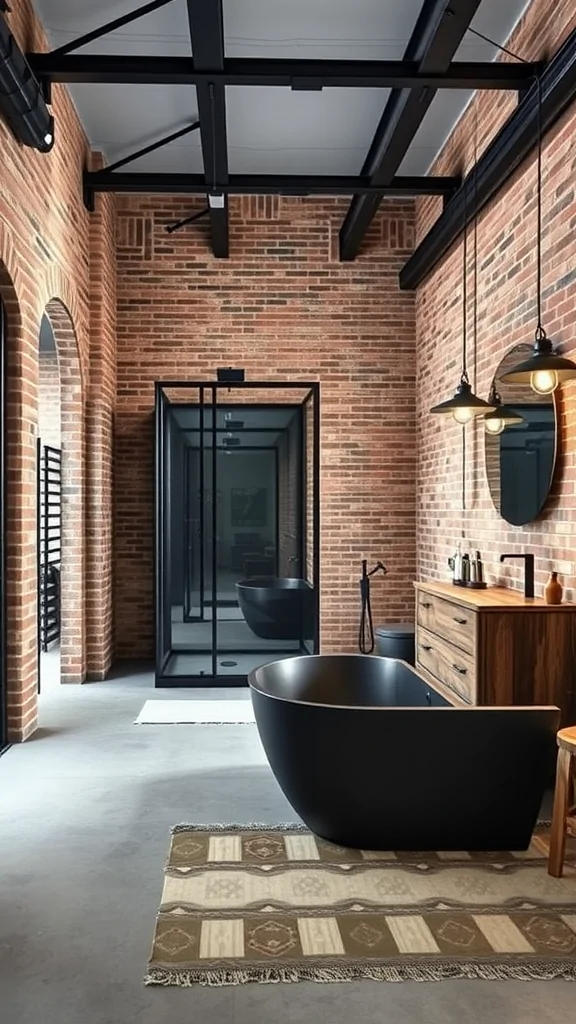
(463, 415)
(494, 425)
(544, 382)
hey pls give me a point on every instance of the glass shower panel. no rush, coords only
(190, 621)
(311, 521)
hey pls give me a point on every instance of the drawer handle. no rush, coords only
(425, 647)
(425, 604)
(461, 622)
(462, 671)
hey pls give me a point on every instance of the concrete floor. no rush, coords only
(86, 808)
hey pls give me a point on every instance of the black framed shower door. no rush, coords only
(237, 505)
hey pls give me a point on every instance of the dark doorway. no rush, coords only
(3, 694)
(237, 522)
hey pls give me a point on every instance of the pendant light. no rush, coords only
(545, 369)
(464, 405)
(503, 415)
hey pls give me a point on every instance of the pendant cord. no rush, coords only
(464, 271)
(540, 332)
(475, 245)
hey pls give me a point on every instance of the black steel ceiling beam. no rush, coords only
(293, 74)
(440, 28)
(205, 21)
(109, 26)
(265, 184)
(514, 142)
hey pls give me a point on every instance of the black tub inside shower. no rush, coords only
(372, 756)
(277, 609)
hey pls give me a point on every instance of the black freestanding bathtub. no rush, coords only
(371, 756)
(277, 608)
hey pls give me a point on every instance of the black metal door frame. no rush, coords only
(3, 693)
(162, 543)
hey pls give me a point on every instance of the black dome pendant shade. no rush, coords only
(502, 416)
(465, 405)
(544, 370)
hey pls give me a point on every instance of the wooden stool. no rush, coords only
(562, 819)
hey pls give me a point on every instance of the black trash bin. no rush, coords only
(396, 641)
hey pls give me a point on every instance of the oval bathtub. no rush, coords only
(277, 608)
(371, 756)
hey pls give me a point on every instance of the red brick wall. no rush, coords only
(506, 317)
(44, 266)
(284, 308)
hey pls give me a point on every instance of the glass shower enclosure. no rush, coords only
(237, 528)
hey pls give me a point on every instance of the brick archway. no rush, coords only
(20, 592)
(73, 613)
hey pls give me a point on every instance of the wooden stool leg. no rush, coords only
(561, 797)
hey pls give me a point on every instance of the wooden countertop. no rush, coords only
(493, 598)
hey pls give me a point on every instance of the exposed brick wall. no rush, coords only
(506, 317)
(44, 264)
(284, 308)
(100, 403)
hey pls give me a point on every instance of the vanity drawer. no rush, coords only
(452, 622)
(447, 663)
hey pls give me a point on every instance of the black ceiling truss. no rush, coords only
(514, 142)
(427, 66)
(310, 75)
(205, 21)
(441, 27)
(264, 184)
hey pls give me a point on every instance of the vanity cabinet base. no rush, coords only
(495, 647)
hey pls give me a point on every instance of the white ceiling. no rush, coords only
(270, 130)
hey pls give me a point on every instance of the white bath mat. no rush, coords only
(197, 712)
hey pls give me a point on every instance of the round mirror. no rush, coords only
(520, 445)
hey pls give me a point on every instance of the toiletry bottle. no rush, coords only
(465, 568)
(479, 568)
(553, 590)
(457, 574)
(473, 570)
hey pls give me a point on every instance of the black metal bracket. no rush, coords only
(153, 146)
(513, 144)
(171, 228)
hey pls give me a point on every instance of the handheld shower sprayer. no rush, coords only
(366, 633)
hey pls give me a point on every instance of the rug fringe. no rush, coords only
(246, 827)
(282, 826)
(534, 971)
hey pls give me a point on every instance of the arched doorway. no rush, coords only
(61, 455)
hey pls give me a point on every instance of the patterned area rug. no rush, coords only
(269, 904)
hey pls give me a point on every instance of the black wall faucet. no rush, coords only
(528, 572)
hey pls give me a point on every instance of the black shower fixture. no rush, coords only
(230, 442)
(22, 104)
(234, 424)
(229, 375)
